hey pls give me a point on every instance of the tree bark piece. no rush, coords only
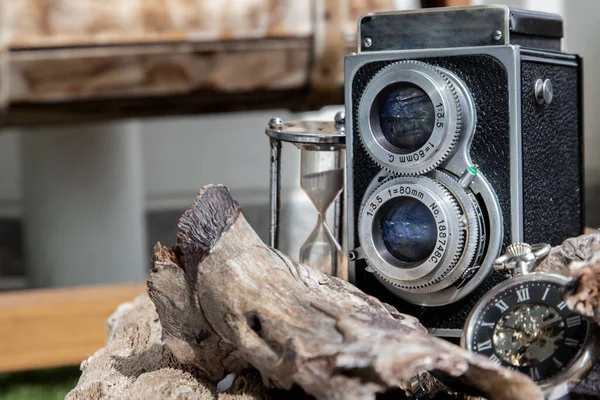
(579, 258)
(136, 364)
(581, 248)
(226, 302)
(585, 298)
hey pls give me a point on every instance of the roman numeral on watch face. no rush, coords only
(502, 305)
(573, 321)
(483, 346)
(571, 342)
(495, 359)
(545, 293)
(488, 324)
(534, 373)
(523, 294)
(557, 362)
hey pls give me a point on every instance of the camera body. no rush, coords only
(460, 141)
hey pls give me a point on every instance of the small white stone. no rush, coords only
(225, 383)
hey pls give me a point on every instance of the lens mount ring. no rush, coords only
(449, 240)
(474, 231)
(450, 108)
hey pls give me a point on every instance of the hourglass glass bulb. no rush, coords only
(322, 179)
(321, 250)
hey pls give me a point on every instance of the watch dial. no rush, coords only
(529, 327)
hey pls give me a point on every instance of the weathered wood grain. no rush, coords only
(136, 364)
(226, 302)
(585, 297)
(581, 248)
(579, 258)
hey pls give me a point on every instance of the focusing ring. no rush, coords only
(471, 223)
(450, 107)
(413, 277)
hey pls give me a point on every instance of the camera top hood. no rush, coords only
(449, 27)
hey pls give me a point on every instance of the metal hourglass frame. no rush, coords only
(309, 137)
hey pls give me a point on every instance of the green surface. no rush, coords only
(38, 385)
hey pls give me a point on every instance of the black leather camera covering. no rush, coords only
(552, 177)
(552, 155)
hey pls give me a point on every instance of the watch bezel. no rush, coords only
(584, 360)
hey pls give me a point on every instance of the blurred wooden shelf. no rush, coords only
(80, 60)
(57, 327)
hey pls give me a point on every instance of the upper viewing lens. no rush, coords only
(407, 117)
(409, 230)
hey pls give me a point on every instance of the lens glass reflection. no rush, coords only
(409, 230)
(407, 117)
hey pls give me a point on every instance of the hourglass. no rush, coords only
(321, 146)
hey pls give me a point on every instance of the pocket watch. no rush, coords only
(525, 325)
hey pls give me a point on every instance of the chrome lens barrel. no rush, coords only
(420, 234)
(411, 115)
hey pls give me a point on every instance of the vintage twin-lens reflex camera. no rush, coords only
(464, 134)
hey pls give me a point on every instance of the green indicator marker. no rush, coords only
(468, 175)
(473, 169)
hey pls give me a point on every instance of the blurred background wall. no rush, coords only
(179, 155)
(182, 154)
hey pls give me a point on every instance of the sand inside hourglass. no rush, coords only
(323, 187)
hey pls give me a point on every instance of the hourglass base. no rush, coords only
(321, 250)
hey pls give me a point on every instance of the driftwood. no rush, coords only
(585, 297)
(227, 302)
(579, 258)
(136, 364)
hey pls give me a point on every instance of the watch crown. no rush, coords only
(521, 257)
(518, 249)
